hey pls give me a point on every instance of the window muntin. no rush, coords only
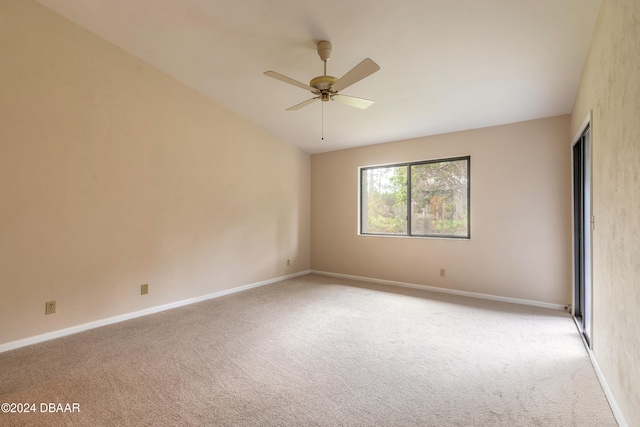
(428, 198)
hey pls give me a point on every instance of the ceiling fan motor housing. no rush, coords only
(323, 82)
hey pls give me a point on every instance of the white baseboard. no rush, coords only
(613, 404)
(446, 291)
(127, 316)
(622, 422)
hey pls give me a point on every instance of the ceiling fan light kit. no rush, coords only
(326, 88)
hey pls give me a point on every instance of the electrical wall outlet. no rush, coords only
(288, 263)
(443, 272)
(49, 307)
(144, 289)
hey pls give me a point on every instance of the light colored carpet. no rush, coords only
(317, 351)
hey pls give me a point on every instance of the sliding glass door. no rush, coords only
(582, 226)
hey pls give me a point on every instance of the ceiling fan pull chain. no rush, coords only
(322, 123)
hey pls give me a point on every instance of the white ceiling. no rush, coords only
(446, 65)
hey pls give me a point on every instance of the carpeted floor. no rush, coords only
(316, 351)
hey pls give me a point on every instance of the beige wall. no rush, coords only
(520, 214)
(610, 86)
(112, 174)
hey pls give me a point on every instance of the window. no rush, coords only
(428, 198)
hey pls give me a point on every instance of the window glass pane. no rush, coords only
(384, 200)
(439, 198)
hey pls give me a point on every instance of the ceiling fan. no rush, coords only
(326, 87)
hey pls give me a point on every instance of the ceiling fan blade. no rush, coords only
(302, 104)
(353, 101)
(289, 80)
(357, 73)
